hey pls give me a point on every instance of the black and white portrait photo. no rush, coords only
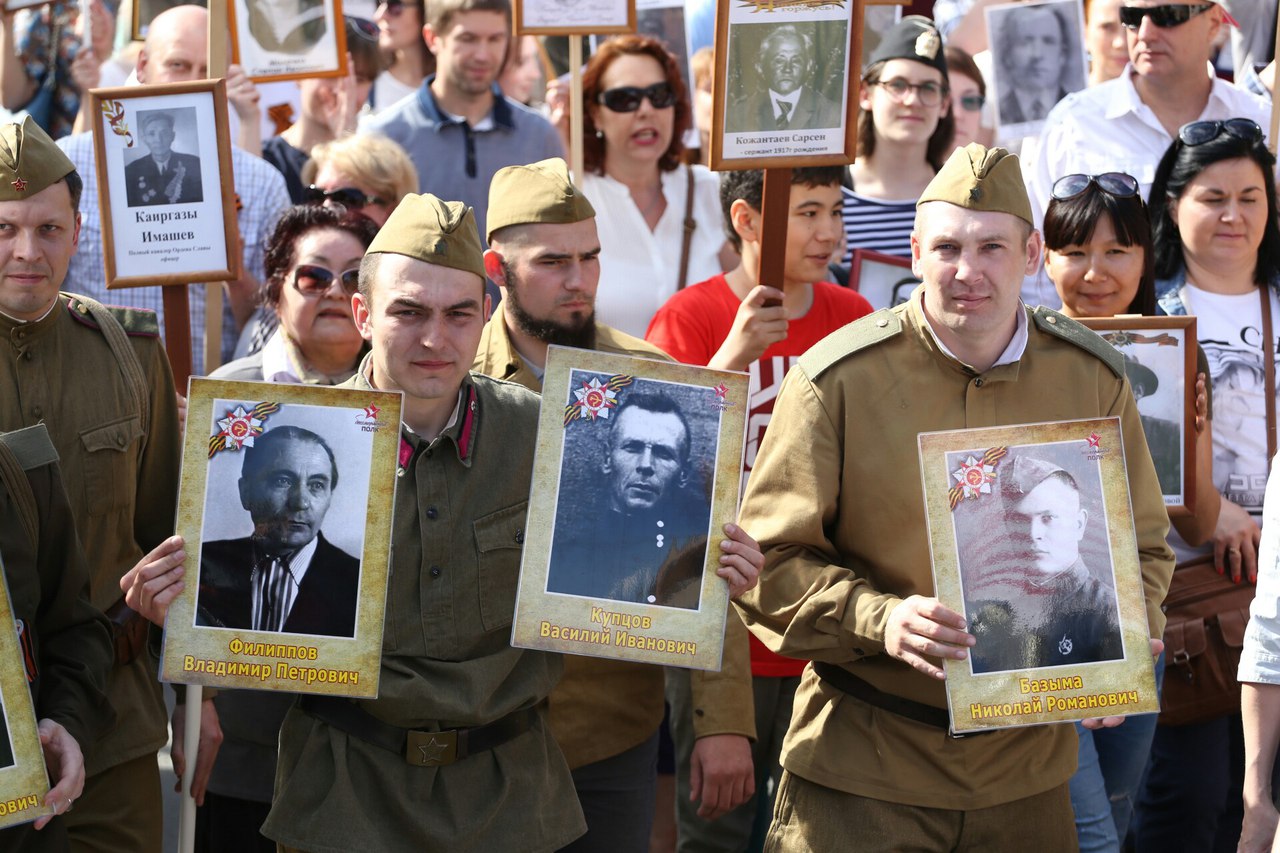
(1162, 419)
(634, 498)
(1035, 564)
(1038, 58)
(161, 173)
(786, 77)
(6, 746)
(284, 524)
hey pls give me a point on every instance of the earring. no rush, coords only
(599, 134)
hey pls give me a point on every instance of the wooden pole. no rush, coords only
(191, 745)
(773, 227)
(575, 106)
(213, 290)
(177, 332)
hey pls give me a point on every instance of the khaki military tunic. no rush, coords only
(447, 662)
(601, 707)
(835, 501)
(121, 473)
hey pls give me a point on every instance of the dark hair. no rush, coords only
(296, 223)
(75, 186)
(940, 144)
(272, 437)
(659, 403)
(959, 62)
(438, 14)
(1178, 167)
(593, 147)
(365, 55)
(1073, 221)
(748, 185)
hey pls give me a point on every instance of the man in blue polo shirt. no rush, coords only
(458, 128)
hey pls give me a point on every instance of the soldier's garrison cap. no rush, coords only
(438, 232)
(982, 179)
(916, 38)
(29, 161)
(535, 194)
(1023, 473)
(1142, 378)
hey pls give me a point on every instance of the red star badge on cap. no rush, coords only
(20, 185)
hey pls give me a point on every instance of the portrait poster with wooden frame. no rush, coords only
(883, 280)
(637, 470)
(288, 39)
(1160, 361)
(24, 780)
(165, 191)
(786, 84)
(573, 17)
(1031, 533)
(285, 508)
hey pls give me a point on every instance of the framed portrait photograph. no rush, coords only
(285, 505)
(24, 780)
(1160, 361)
(1038, 58)
(288, 39)
(145, 11)
(1032, 540)
(786, 85)
(573, 17)
(166, 197)
(883, 280)
(637, 470)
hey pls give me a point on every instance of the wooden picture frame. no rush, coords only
(573, 17)
(24, 781)
(820, 128)
(1162, 350)
(883, 280)
(145, 11)
(314, 45)
(175, 227)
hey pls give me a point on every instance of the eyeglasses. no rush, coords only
(972, 103)
(1116, 184)
(313, 281)
(626, 99)
(362, 28)
(929, 94)
(394, 7)
(1200, 132)
(345, 196)
(1172, 15)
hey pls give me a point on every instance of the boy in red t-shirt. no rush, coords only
(733, 322)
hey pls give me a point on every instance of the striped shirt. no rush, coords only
(884, 226)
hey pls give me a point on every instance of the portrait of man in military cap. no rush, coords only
(782, 79)
(163, 175)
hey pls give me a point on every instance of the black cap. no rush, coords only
(914, 37)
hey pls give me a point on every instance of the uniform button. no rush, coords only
(859, 652)
(882, 322)
(119, 439)
(435, 571)
(432, 513)
(1051, 320)
(977, 382)
(37, 411)
(27, 354)
(519, 537)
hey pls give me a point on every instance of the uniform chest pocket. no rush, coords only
(499, 543)
(109, 482)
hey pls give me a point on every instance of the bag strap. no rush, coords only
(126, 358)
(690, 225)
(33, 442)
(1269, 372)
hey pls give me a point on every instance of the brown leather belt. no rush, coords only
(846, 682)
(421, 749)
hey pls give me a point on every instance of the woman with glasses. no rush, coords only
(637, 112)
(407, 60)
(1217, 256)
(1099, 256)
(905, 133)
(968, 97)
(367, 173)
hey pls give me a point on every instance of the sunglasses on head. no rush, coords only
(972, 103)
(1172, 15)
(311, 280)
(626, 99)
(363, 29)
(394, 7)
(1200, 132)
(1115, 184)
(345, 196)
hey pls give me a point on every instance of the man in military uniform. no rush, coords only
(835, 500)
(65, 642)
(98, 378)
(162, 176)
(545, 254)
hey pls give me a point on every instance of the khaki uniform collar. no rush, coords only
(20, 332)
(497, 356)
(460, 432)
(914, 318)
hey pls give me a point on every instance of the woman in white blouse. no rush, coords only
(637, 114)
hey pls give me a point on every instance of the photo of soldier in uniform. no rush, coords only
(1037, 56)
(787, 77)
(1039, 589)
(1162, 425)
(634, 499)
(287, 26)
(161, 175)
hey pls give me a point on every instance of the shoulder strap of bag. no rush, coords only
(1269, 372)
(690, 225)
(126, 358)
(15, 482)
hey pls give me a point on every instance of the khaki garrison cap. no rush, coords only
(29, 161)
(1023, 473)
(982, 179)
(438, 232)
(537, 194)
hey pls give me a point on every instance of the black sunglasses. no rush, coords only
(345, 196)
(972, 103)
(1200, 132)
(1172, 15)
(394, 7)
(311, 280)
(626, 99)
(1116, 184)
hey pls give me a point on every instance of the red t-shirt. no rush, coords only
(692, 326)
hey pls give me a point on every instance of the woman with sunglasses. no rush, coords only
(407, 60)
(367, 173)
(905, 132)
(633, 141)
(968, 97)
(1217, 248)
(1099, 256)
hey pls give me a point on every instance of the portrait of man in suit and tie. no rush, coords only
(162, 175)
(286, 576)
(788, 95)
(1038, 60)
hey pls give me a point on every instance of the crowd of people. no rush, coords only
(415, 227)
